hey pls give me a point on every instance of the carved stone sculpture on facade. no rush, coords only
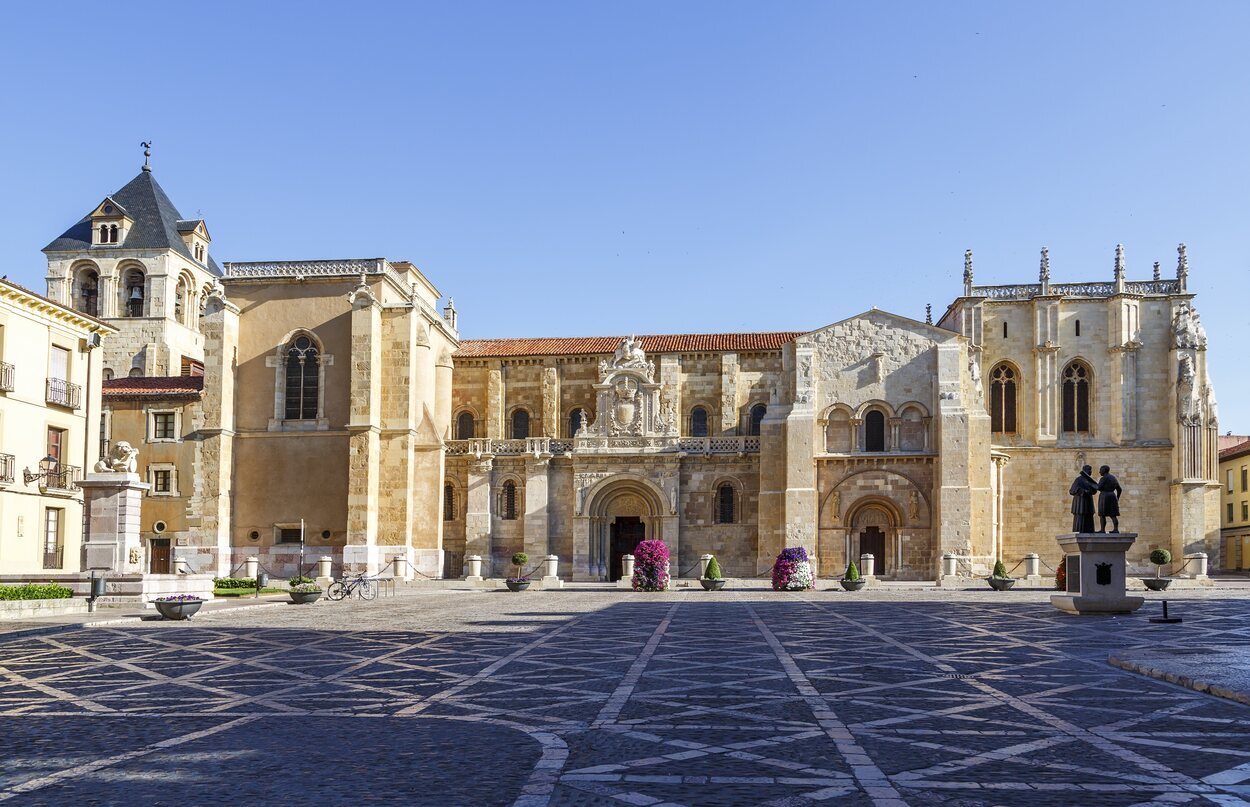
(1187, 330)
(122, 459)
(1187, 403)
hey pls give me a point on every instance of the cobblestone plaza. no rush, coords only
(594, 697)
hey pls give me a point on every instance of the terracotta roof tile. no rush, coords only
(153, 387)
(603, 345)
(1235, 450)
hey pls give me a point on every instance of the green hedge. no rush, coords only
(36, 591)
(234, 582)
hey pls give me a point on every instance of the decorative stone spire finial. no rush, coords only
(1182, 265)
(147, 154)
(1119, 262)
(1156, 270)
(449, 312)
(1043, 271)
(967, 273)
(928, 313)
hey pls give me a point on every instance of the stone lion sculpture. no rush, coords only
(123, 459)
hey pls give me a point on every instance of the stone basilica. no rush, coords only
(337, 400)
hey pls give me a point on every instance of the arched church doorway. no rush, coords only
(622, 511)
(873, 531)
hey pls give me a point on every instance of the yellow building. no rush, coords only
(49, 429)
(1235, 498)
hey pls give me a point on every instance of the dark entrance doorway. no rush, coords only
(627, 531)
(159, 563)
(872, 542)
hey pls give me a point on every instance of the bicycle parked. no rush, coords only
(358, 585)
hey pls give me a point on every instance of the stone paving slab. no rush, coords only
(1220, 671)
(607, 698)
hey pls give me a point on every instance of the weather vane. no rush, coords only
(147, 153)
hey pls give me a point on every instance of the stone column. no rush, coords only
(216, 449)
(495, 392)
(111, 536)
(729, 393)
(477, 518)
(364, 427)
(537, 526)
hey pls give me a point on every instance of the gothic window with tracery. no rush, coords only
(1003, 387)
(303, 379)
(1076, 381)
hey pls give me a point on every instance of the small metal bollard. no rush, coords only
(1165, 619)
(262, 580)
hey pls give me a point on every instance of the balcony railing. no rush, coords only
(544, 445)
(6, 376)
(62, 477)
(63, 393)
(7, 465)
(53, 558)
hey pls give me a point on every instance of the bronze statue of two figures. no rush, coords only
(1082, 491)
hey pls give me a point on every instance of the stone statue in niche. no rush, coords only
(1213, 409)
(582, 423)
(122, 459)
(1186, 391)
(974, 372)
(913, 506)
(1082, 492)
(835, 505)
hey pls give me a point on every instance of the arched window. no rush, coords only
(89, 292)
(180, 300)
(575, 421)
(911, 430)
(134, 293)
(725, 505)
(464, 426)
(113, 234)
(874, 431)
(136, 372)
(1076, 379)
(757, 415)
(449, 503)
(698, 422)
(104, 233)
(520, 424)
(1003, 399)
(108, 374)
(303, 379)
(507, 509)
(838, 432)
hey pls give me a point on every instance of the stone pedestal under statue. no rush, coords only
(1096, 574)
(111, 541)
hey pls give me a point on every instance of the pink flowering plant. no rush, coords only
(179, 598)
(792, 571)
(650, 566)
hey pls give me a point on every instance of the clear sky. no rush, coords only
(652, 167)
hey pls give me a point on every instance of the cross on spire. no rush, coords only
(147, 154)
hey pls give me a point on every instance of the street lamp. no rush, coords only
(48, 467)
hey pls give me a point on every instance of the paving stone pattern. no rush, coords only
(476, 698)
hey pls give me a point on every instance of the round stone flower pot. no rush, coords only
(517, 585)
(1157, 583)
(178, 609)
(1002, 583)
(304, 597)
(711, 585)
(853, 585)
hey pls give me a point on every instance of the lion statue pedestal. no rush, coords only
(113, 497)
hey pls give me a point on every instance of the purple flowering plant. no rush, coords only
(787, 564)
(650, 566)
(179, 598)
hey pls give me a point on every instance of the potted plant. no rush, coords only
(1061, 574)
(178, 606)
(650, 566)
(851, 581)
(518, 582)
(999, 579)
(792, 571)
(304, 593)
(712, 579)
(1160, 558)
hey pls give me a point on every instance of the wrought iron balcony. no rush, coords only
(6, 376)
(62, 477)
(63, 393)
(8, 464)
(53, 558)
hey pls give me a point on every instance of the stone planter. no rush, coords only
(711, 585)
(853, 585)
(1002, 583)
(1157, 583)
(178, 609)
(304, 597)
(517, 585)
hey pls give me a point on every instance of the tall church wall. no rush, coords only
(578, 376)
(734, 545)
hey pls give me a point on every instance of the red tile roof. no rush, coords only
(1235, 450)
(175, 386)
(604, 345)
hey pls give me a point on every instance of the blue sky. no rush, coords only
(650, 167)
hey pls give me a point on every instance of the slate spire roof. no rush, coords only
(156, 222)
